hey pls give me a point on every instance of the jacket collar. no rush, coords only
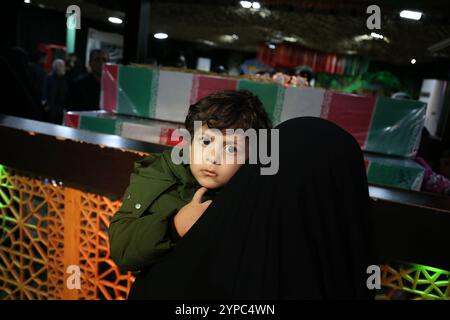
(183, 174)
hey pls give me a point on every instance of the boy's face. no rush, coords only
(215, 157)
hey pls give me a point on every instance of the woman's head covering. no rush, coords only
(302, 233)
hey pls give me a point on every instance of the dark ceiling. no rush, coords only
(332, 26)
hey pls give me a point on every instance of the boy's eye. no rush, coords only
(230, 149)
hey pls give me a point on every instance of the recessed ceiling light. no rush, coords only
(160, 35)
(246, 4)
(26, 1)
(376, 35)
(413, 61)
(413, 15)
(115, 20)
(256, 5)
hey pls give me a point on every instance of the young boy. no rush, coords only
(165, 199)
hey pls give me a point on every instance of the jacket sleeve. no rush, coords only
(138, 237)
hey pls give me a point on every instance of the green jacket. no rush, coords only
(142, 230)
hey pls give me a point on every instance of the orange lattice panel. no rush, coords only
(45, 228)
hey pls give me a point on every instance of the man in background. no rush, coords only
(84, 93)
(56, 92)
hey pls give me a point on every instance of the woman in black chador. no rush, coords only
(303, 233)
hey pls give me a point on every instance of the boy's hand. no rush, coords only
(190, 213)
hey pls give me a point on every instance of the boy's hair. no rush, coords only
(228, 109)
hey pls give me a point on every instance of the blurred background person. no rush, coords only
(74, 69)
(84, 93)
(56, 92)
(39, 73)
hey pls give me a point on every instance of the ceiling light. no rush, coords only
(376, 35)
(115, 20)
(372, 36)
(290, 39)
(413, 15)
(413, 61)
(246, 4)
(160, 35)
(256, 5)
(26, 1)
(228, 38)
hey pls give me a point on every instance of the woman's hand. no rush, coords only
(190, 213)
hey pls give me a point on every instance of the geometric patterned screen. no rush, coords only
(414, 282)
(45, 228)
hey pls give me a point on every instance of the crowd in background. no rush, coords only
(30, 91)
